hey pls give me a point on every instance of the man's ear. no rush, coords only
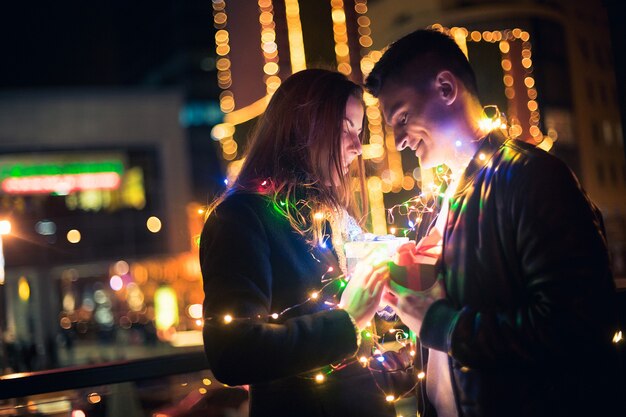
(447, 87)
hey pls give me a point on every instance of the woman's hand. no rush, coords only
(361, 297)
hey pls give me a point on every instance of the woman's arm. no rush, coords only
(237, 279)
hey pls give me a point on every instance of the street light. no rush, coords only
(5, 229)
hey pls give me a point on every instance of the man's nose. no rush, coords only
(401, 139)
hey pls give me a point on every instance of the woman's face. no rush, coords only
(351, 133)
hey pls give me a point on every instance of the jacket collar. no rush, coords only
(488, 146)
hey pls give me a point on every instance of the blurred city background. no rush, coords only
(121, 120)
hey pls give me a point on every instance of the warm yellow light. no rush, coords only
(270, 68)
(166, 308)
(222, 130)
(220, 18)
(421, 375)
(73, 236)
(294, 30)
(195, 311)
(228, 319)
(94, 398)
(206, 381)
(153, 224)
(5, 227)
(23, 289)
(121, 267)
(319, 378)
(314, 295)
(318, 216)
(618, 337)
(390, 398)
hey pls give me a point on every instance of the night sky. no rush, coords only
(96, 43)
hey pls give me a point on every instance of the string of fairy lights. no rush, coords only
(514, 46)
(328, 300)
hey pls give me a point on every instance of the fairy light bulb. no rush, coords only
(319, 378)
(314, 295)
(228, 319)
(390, 398)
(421, 375)
(275, 316)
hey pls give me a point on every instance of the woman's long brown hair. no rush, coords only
(294, 154)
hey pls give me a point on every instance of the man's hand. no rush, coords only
(411, 306)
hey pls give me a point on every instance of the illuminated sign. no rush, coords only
(61, 184)
(60, 178)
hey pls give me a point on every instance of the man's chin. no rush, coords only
(426, 164)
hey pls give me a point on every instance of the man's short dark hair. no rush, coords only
(419, 56)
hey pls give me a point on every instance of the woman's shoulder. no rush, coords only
(241, 200)
(237, 206)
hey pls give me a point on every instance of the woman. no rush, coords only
(275, 317)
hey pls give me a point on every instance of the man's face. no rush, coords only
(419, 122)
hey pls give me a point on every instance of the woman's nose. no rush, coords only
(358, 148)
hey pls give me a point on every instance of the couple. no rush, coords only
(521, 319)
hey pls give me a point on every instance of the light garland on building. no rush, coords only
(340, 36)
(269, 47)
(514, 46)
(223, 133)
(365, 40)
(294, 30)
(379, 150)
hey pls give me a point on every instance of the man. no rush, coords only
(521, 320)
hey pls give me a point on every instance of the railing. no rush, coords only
(32, 383)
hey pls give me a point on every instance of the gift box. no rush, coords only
(379, 248)
(413, 266)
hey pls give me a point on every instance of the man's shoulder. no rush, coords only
(525, 163)
(523, 154)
